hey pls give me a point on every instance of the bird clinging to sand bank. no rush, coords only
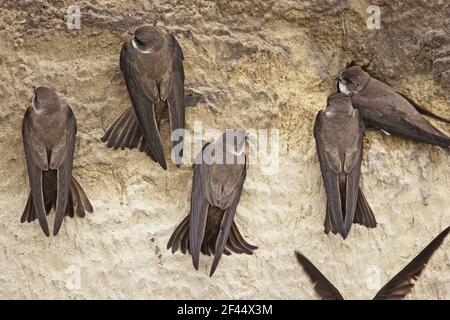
(384, 108)
(216, 189)
(152, 66)
(48, 132)
(339, 134)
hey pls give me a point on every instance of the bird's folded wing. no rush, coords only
(64, 172)
(227, 222)
(175, 99)
(424, 110)
(36, 162)
(352, 167)
(199, 208)
(386, 116)
(330, 178)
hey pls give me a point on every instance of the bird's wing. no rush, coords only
(382, 108)
(424, 110)
(363, 213)
(330, 168)
(142, 94)
(352, 168)
(199, 208)
(175, 99)
(64, 178)
(36, 158)
(400, 123)
(400, 285)
(323, 287)
(227, 220)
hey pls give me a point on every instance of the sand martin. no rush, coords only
(384, 108)
(48, 132)
(397, 288)
(216, 189)
(339, 134)
(152, 66)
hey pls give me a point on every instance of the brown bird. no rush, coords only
(397, 288)
(383, 108)
(339, 134)
(48, 132)
(216, 190)
(152, 66)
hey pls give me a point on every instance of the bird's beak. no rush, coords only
(340, 79)
(131, 34)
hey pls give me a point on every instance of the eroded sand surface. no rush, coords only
(253, 64)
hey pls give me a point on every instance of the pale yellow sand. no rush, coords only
(263, 64)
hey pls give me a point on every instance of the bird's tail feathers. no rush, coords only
(364, 214)
(179, 240)
(125, 132)
(236, 243)
(78, 203)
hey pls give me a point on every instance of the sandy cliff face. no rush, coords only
(253, 64)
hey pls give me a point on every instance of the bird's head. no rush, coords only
(339, 103)
(352, 80)
(147, 39)
(44, 100)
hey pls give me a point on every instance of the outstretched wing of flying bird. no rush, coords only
(400, 285)
(323, 287)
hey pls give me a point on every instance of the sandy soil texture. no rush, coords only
(252, 64)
